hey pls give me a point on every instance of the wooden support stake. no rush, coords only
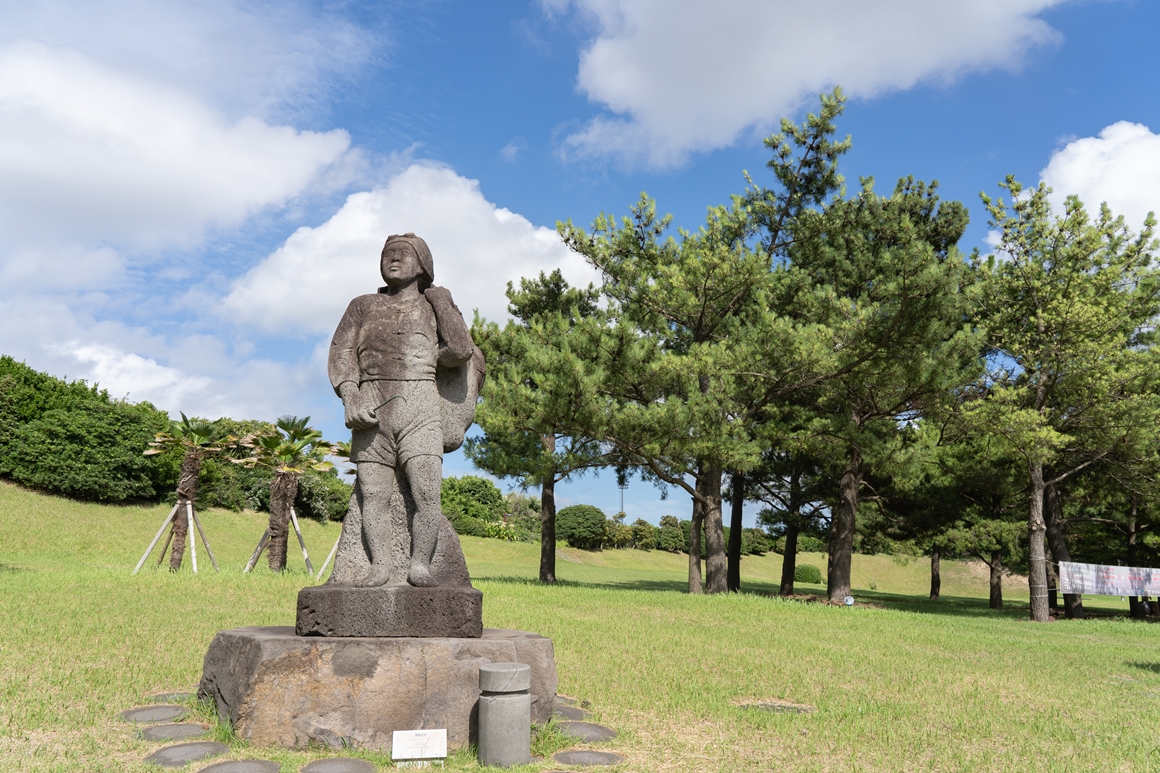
(189, 529)
(204, 541)
(168, 539)
(257, 550)
(329, 558)
(301, 542)
(153, 544)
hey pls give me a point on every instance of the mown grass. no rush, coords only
(898, 684)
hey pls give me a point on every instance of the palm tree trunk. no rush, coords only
(186, 494)
(283, 489)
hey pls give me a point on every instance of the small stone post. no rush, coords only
(505, 714)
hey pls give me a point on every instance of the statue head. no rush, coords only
(422, 252)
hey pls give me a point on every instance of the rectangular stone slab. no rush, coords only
(392, 610)
(279, 689)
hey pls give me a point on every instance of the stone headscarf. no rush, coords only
(421, 250)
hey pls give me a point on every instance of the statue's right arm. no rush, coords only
(342, 364)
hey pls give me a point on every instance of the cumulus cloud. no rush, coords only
(1120, 166)
(245, 57)
(478, 247)
(679, 76)
(96, 155)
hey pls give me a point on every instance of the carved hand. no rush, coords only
(438, 297)
(358, 414)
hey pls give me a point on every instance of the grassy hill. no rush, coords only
(897, 683)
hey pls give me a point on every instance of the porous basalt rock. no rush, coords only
(279, 689)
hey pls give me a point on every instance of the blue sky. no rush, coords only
(190, 192)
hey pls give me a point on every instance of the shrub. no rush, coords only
(755, 542)
(322, 495)
(805, 544)
(499, 530)
(522, 513)
(471, 495)
(669, 535)
(469, 526)
(616, 533)
(644, 535)
(582, 526)
(807, 573)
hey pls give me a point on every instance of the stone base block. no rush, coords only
(392, 610)
(279, 689)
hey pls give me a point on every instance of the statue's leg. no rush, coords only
(425, 476)
(376, 483)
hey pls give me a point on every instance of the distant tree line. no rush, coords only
(833, 356)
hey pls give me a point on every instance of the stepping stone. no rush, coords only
(164, 713)
(571, 712)
(172, 732)
(589, 732)
(172, 697)
(585, 757)
(565, 701)
(339, 765)
(184, 753)
(243, 766)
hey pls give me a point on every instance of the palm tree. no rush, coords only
(197, 439)
(289, 448)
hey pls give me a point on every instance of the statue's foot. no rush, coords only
(375, 578)
(420, 576)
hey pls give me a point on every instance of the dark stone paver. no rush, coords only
(589, 732)
(179, 755)
(172, 732)
(585, 757)
(243, 766)
(163, 713)
(571, 712)
(565, 701)
(172, 697)
(339, 765)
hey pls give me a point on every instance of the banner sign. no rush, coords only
(1099, 580)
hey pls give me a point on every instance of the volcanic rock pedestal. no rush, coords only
(280, 689)
(394, 610)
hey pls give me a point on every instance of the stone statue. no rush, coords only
(408, 373)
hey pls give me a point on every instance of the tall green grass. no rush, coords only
(897, 684)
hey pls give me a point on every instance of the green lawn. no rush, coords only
(898, 683)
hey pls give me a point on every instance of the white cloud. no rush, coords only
(93, 154)
(680, 76)
(245, 57)
(1120, 166)
(478, 247)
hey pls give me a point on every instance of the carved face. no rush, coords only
(400, 265)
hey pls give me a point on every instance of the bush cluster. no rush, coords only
(807, 573)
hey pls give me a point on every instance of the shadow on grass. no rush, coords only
(1150, 667)
(10, 569)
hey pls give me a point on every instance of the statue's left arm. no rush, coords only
(455, 344)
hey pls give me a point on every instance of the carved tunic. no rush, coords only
(381, 338)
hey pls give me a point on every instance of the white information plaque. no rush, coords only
(418, 744)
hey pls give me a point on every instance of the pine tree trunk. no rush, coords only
(935, 574)
(1037, 574)
(548, 529)
(1053, 521)
(283, 489)
(716, 567)
(789, 558)
(186, 493)
(1135, 609)
(695, 544)
(735, 529)
(842, 529)
(996, 579)
(1052, 584)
